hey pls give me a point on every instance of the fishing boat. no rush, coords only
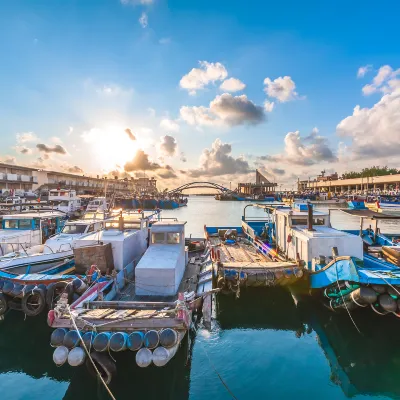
(384, 203)
(31, 289)
(240, 259)
(143, 305)
(27, 229)
(65, 200)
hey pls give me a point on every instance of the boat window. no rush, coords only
(37, 223)
(73, 229)
(25, 224)
(11, 224)
(299, 221)
(173, 238)
(318, 221)
(91, 228)
(158, 237)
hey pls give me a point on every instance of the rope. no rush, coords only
(379, 276)
(216, 372)
(90, 357)
(341, 294)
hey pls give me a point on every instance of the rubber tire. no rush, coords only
(104, 364)
(59, 286)
(3, 304)
(41, 305)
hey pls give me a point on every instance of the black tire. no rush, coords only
(104, 364)
(33, 302)
(3, 304)
(54, 290)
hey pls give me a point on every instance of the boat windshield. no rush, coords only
(71, 229)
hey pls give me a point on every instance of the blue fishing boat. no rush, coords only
(300, 243)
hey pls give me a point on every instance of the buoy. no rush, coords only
(144, 357)
(28, 288)
(57, 337)
(118, 341)
(387, 302)
(363, 295)
(60, 355)
(76, 357)
(394, 292)
(151, 339)
(17, 290)
(135, 340)
(88, 338)
(168, 337)
(79, 286)
(379, 288)
(161, 355)
(101, 341)
(8, 287)
(71, 339)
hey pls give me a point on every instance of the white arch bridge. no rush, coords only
(200, 185)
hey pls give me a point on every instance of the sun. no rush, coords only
(111, 146)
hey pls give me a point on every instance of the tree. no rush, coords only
(371, 171)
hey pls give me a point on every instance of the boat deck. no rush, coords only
(244, 255)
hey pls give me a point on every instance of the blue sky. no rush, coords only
(76, 74)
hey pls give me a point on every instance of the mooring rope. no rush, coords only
(90, 357)
(341, 294)
(215, 370)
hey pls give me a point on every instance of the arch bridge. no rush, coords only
(200, 185)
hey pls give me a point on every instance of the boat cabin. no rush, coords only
(307, 236)
(65, 200)
(73, 230)
(29, 229)
(160, 270)
(98, 204)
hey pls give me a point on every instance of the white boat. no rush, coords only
(34, 259)
(98, 204)
(73, 231)
(26, 229)
(65, 200)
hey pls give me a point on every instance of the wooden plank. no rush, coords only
(121, 314)
(131, 304)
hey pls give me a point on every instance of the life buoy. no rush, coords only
(104, 364)
(33, 302)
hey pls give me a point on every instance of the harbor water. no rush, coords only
(262, 346)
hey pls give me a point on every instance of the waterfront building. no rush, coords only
(15, 179)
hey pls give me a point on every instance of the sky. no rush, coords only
(200, 90)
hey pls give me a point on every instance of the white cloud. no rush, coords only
(165, 40)
(167, 146)
(375, 131)
(282, 89)
(169, 125)
(232, 85)
(219, 161)
(386, 81)
(198, 78)
(362, 71)
(9, 160)
(26, 137)
(268, 105)
(224, 110)
(113, 90)
(23, 149)
(137, 2)
(144, 20)
(307, 150)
